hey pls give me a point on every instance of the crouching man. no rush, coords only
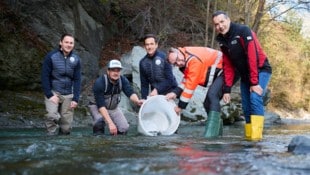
(107, 93)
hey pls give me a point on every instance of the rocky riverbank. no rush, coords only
(26, 110)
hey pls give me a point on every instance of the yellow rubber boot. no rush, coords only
(257, 126)
(247, 131)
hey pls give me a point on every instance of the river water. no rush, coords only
(30, 152)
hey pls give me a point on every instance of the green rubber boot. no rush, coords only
(221, 127)
(213, 125)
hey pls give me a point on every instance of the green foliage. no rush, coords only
(306, 49)
(177, 23)
(294, 23)
(289, 56)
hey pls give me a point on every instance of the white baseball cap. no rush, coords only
(114, 64)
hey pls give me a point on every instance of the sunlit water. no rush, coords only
(30, 151)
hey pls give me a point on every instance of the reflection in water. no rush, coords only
(194, 161)
(30, 151)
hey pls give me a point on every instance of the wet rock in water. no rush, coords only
(299, 145)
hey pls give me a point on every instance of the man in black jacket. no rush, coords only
(243, 53)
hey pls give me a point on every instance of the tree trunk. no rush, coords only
(213, 33)
(259, 15)
(247, 13)
(207, 23)
(229, 7)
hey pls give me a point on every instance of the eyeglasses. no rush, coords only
(178, 62)
(175, 61)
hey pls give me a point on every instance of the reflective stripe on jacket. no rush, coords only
(198, 63)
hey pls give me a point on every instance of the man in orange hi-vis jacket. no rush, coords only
(200, 66)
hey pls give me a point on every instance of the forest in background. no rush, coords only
(183, 23)
(177, 23)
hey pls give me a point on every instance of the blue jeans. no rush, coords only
(252, 103)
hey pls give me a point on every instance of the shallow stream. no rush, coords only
(30, 151)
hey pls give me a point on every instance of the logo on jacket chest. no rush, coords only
(233, 42)
(72, 59)
(157, 62)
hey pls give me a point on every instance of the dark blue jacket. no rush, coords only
(156, 72)
(109, 96)
(61, 74)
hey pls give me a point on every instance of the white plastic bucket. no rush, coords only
(157, 117)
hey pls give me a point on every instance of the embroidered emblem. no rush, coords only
(157, 62)
(72, 59)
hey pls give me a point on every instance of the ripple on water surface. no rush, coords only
(30, 151)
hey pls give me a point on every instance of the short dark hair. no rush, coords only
(64, 35)
(219, 12)
(150, 35)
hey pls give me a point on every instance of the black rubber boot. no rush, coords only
(98, 128)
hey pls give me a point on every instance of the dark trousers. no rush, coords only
(214, 95)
